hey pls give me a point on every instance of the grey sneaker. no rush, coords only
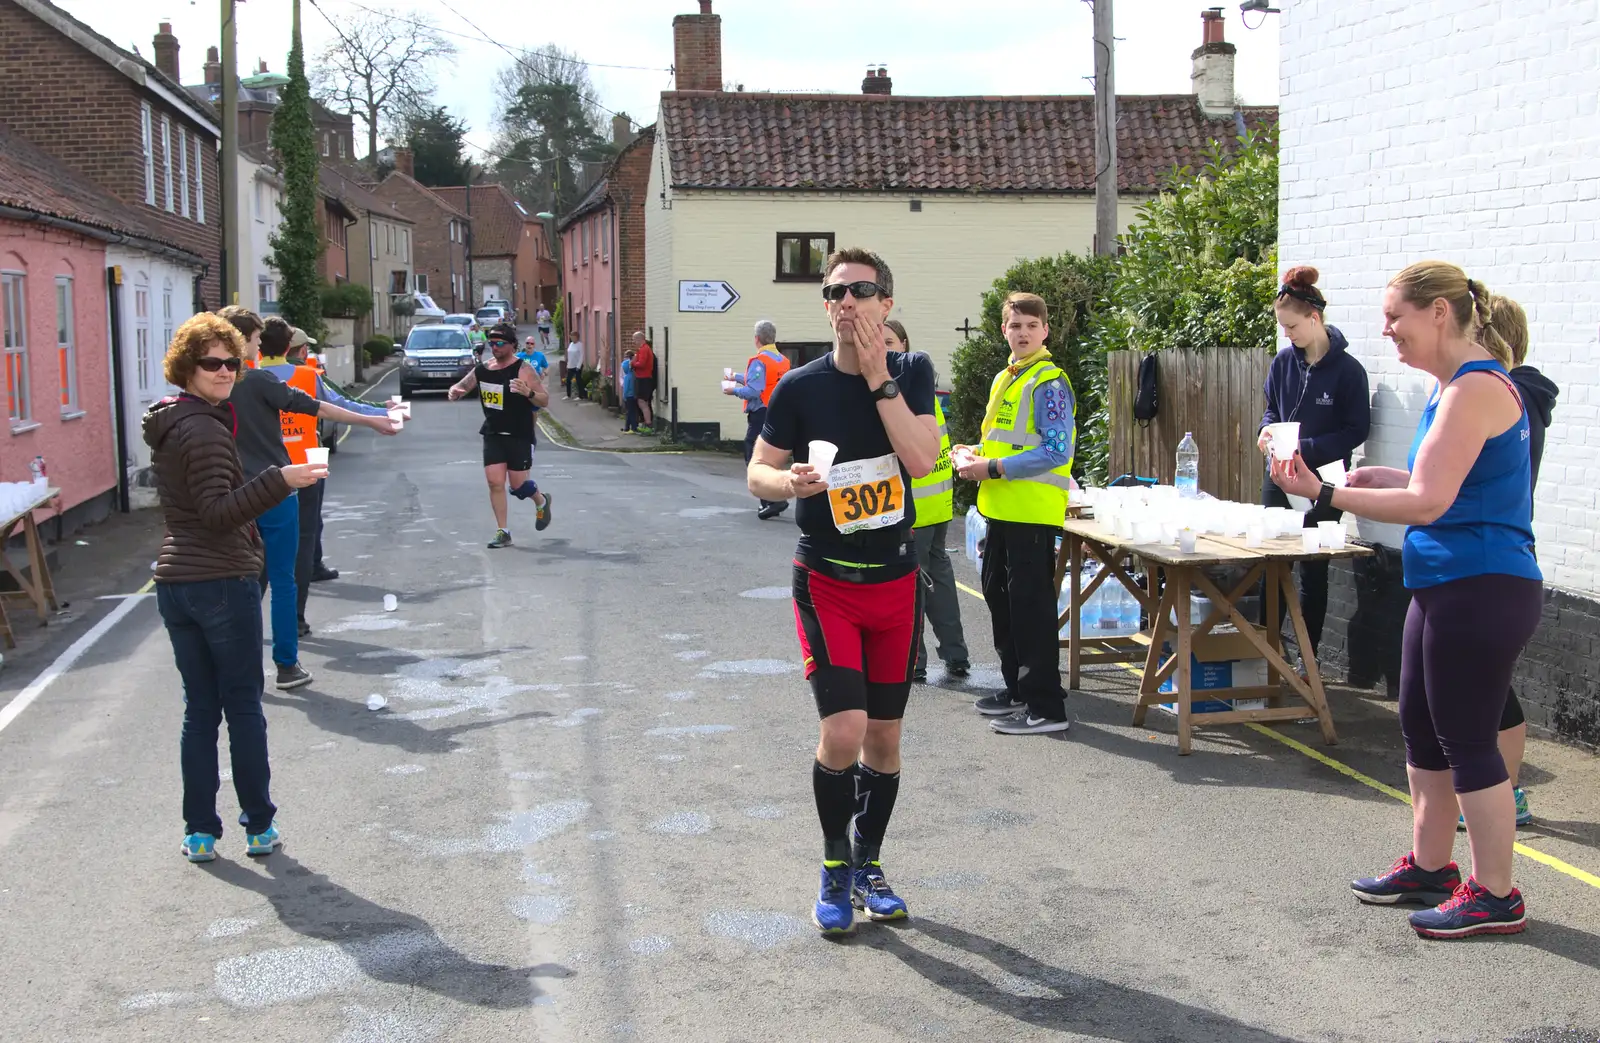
(999, 704)
(292, 677)
(1024, 723)
(502, 538)
(541, 515)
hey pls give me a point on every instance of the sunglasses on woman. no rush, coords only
(861, 291)
(211, 364)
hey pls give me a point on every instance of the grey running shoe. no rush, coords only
(1024, 723)
(999, 704)
(502, 538)
(292, 677)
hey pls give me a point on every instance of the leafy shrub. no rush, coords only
(378, 348)
(345, 300)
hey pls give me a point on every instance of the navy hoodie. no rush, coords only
(1331, 400)
(1539, 396)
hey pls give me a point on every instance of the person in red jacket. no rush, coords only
(644, 376)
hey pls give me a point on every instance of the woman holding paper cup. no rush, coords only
(1466, 498)
(1317, 405)
(206, 578)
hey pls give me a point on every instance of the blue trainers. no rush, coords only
(833, 914)
(1524, 816)
(199, 847)
(1472, 910)
(263, 843)
(872, 894)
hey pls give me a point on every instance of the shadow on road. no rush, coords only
(1557, 940)
(1062, 1000)
(361, 657)
(353, 720)
(343, 590)
(388, 945)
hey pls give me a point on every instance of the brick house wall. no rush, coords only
(71, 103)
(1407, 136)
(630, 184)
(439, 250)
(334, 264)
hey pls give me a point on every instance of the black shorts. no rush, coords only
(514, 451)
(644, 388)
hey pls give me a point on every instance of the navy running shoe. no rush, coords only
(872, 894)
(833, 914)
(1472, 910)
(1405, 881)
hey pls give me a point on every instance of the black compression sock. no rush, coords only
(875, 796)
(836, 802)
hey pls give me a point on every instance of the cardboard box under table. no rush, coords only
(1173, 639)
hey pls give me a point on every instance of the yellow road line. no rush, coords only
(149, 585)
(1366, 780)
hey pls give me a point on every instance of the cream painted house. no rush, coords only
(753, 190)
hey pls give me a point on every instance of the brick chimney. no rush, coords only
(261, 66)
(213, 68)
(403, 162)
(621, 129)
(1213, 66)
(877, 82)
(167, 52)
(697, 50)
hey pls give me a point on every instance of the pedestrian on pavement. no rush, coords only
(755, 386)
(644, 373)
(541, 320)
(206, 586)
(1024, 470)
(259, 399)
(509, 391)
(1539, 397)
(857, 596)
(300, 434)
(630, 395)
(1466, 498)
(573, 374)
(936, 506)
(1317, 383)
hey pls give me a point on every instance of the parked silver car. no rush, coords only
(435, 357)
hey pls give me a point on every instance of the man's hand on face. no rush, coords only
(871, 349)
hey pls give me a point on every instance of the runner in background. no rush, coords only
(541, 321)
(508, 390)
(644, 375)
(857, 596)
(754, 387)
(935, 496)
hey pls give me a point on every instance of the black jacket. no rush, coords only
(1331, 400)
(1539, 395)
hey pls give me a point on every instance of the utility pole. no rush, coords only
(1105, 132)
(470, 289)
(231, 251)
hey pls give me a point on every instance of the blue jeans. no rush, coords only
(280, 531)
(215, 628)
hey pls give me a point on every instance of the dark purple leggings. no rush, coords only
(1462, 639)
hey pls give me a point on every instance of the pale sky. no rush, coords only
(929, 46)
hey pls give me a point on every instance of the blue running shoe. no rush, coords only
(263, 843)
(833, 914)
(1524, 816)
(872, 894)
(1405, 881)
(1472, 910)
(200, 847)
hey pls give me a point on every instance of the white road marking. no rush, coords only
(64, 661)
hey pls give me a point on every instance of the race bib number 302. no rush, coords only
(867, 494)
(493, 396)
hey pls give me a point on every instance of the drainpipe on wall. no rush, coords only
(118, 388)
(616, 319)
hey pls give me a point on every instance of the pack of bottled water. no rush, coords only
(977, 530)
(1111, 611)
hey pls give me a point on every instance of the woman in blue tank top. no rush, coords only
(1466, 500)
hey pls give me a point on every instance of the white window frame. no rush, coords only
(14, 344)
(67, 344)
(166, 162)
(167, 324)
(325, 144)
(199, 183)
(183, 170)
(341, 146)
(605, 237)
(405, 245)
(421, 279)
(149, 154)
(141, 332)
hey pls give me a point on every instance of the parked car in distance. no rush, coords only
(490, 314)
(470, 324)
(427, 311)
(436, 356)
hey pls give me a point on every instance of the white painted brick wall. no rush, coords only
(1467, 130)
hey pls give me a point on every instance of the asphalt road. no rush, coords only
(585, 814)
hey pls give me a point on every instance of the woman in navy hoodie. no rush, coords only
(1313, 381)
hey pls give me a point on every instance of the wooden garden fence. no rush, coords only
(1216, 394)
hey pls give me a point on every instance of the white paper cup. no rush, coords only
(1331, 534)
(1147, 532)
(1333, 473)
(727, 372)
(820, 455)
(1254, 535)
(394, 400)
(1310, 540)
(397, 417)
(727, 385)
(318, 455)
(1285, 439)
(390, 602)
(1186, 538)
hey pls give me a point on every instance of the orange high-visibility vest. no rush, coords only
(299, 430)
(777, 365)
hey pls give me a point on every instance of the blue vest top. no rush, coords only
(1489, 527)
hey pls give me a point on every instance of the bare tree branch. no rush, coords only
(379, 66)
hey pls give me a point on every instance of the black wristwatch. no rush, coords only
(888, 389)
(1325, 497)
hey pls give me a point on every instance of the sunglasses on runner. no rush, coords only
(861, 291)
(211, 364)
(497, 343)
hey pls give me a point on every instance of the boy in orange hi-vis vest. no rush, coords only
(761, 374)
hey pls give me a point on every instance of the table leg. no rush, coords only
(1160, 630)
(5, 627)
(1319, 697)
(1178, 585)
(1270, 619)
(1073, 545)
(42, 591)
(47, 582)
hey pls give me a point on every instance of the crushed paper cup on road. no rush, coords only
(390, 602)
(1285, 439)
(376, 702)
(820, 455)
(318, 456)
(1333, 473)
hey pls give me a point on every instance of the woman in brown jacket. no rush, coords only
(206, 579)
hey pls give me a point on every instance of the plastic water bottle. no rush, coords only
(1130, 614)
(1110, 609)
(1188, 473)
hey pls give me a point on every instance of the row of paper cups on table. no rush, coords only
(1160, 516)
(15, 497)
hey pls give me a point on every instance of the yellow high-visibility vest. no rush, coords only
(934, 493)
(1042, 499)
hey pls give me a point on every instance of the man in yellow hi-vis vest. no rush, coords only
(1025, 467)
(934, 494)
